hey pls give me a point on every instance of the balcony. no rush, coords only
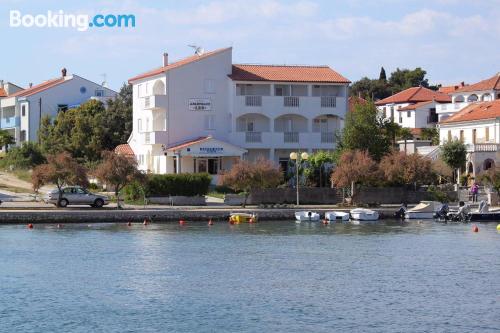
(155, 102)
(253, 100)
(155, 137)
(291, 137)
(328, 101)
(9, 122)
(253, 137)
(291, 101)
(327, 137)
(483, 147)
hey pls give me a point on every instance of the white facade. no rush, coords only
(20, 114)
(482, 139)
(249, 118)
(423, 116)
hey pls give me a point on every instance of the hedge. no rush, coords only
(185, 184)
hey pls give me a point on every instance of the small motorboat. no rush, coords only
(424, 210)
(483, 213)
(237, 218)
(337, 216)
(364, 214)
(306, 216)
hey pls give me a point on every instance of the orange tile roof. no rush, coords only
(124, 149)
(451, 89)
(354, 100)
(414, 106)
(493, 83)
(476, 111)
(3, 93)
(188, 143)
(414, 95)
(284, 73)
(177, 64)
(38, 88)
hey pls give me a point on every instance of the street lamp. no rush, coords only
(298, 159)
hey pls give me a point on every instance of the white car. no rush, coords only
(74, 195)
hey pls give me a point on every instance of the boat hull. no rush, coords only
(337, 216)
(242, 218)
(484, 216)
(364, 215)
(306, 217)
(419, 215)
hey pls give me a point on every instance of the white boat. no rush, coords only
(363, 214)
(306, 216)
(424, 210)
(337, 216)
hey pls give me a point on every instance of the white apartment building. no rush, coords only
(203, 113)
(21, 111)
(413, 108)
(478, 127)
(484, 91)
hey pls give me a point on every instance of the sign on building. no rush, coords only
(200, 104)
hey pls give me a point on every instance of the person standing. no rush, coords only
(474, 190)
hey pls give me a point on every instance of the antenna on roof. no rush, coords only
(198, 50)
(104, 82)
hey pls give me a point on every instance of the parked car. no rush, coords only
(74, 195)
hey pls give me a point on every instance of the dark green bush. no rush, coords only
(133, 192)
(185, 184)
(26, 156)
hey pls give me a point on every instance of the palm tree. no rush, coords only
(405, 134)
(6, 139)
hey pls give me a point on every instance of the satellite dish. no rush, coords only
(198, 50)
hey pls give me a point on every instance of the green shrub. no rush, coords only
(185, 184)
(27, 156)
(133, 192)
(437, 194)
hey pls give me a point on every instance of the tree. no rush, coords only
(431, 134)
(402, 79)
(390, 130)
(6, 139)
(370, 89)
(246, 176)
(382, 77)
(25, 156)
(405, 134)
(402, 169)
(364, 130)
(492, 178)
(118, 171)
(442, 170)
(117, 119)
(60, 170)
(319, 167)
(355, 167)
(454, 155)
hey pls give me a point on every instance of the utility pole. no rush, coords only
(39, 118)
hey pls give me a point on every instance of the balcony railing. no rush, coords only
(253, 100)
(483, 147)
(147, 102)
(291, 101)
(252, 137)
(147, 137)
(7, 122)
(328, 101)
(291, 137)
(327, 137)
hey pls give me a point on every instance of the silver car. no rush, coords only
(74, 195)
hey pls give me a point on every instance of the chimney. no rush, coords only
(31, 84)
(462, 83)
(64, 72)
(165, 59)
(1, 83)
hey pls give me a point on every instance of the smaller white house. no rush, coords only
(413, 108)
(483, 91)
(22, 110)
(478, 127)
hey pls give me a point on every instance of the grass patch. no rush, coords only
(23, 174)
(216, 195)
(15, 189)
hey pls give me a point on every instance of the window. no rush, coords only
(449, 136)
(62, 108)
(487, 134)
(213, 166)
(99, 92)
(474, 135)
(23, 110)
(209, 86)
(139, 125)
(210, 122)
(408, 114)
(83, 90)
(250, 125)
(140, 159)
(23, 136)
(462, 136)
(202, 165)
(278, 91)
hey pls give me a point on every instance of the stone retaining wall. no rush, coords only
(308, 196)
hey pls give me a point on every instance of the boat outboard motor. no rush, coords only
(400, 213)
(309, 214)
(442, 213)
(463, 212)
(483, 207)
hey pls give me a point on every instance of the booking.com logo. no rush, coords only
(81, 22)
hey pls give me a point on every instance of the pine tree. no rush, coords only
(382, 76)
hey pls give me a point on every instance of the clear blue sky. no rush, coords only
(454, 40)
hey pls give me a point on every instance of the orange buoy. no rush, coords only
(251, 220)
(30, 226)
(59, 226)
(129, 223)
(182, 222)
(145, 222)
(210, 222)
(325, 221)
(231, 221)
(475, 228)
